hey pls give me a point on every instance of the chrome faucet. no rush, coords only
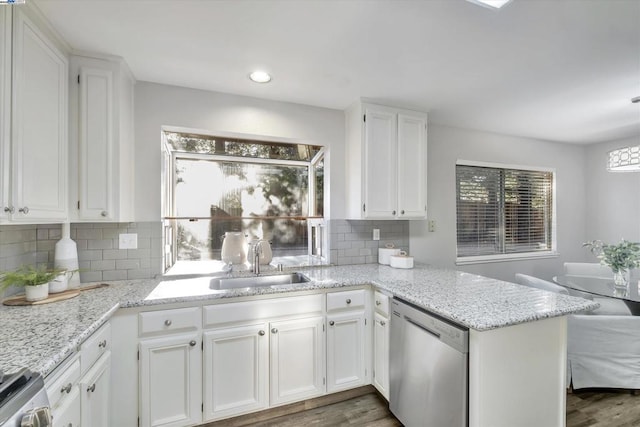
(256, 257)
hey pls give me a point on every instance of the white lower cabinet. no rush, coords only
(68, 413)
(236, 371)
(171, 380)
(95, 392)
(381, 354)
(297, 362)
(345, 351)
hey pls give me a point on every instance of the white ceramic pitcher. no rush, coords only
(234, 247)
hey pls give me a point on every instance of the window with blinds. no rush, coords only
(502, 211)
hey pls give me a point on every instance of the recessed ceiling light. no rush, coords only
(494, 4)
(260, 77)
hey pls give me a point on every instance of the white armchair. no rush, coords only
(603, 351)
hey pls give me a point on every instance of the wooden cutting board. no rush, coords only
(60, 296)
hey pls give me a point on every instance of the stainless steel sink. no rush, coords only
(221, 283)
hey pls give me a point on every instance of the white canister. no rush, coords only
(60, 283)
(384, 254)
(402, 260)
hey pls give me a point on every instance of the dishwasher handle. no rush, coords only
(424, 328)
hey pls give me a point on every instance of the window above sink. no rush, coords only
(271, 190)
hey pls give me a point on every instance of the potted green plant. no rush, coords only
(34, 280)
(621, 258)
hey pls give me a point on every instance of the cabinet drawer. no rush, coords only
(381, 303)
(94, 347)
(246, 311)
(64, 384)
(68, 413)
(168, 321)
(345, 300)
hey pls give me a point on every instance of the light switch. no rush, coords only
(376, 234)
(129, 241)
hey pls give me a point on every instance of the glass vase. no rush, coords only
(621, 283)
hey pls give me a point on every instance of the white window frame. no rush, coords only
(482, 259)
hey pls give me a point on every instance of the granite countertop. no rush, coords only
(40, 337)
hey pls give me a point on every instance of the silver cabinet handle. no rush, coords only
(167, 322)
(102, 344)
(9, 209)
(261, 333)
(67, 388)
(24, 210)
(402, 212)
(348, 300)
(331, 323)
(382, 323)
(378, 302)
(274, 331)
(192, 343)
(92, 388)
(104, 213)
(393, 213)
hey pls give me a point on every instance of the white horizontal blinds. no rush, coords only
(527, 210)
(502, 211)
(478, 210)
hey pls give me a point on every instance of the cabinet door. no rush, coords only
(412, 166)
(68, 414)
(96, 144)
(5, 110)
(381, 354)
(345, 351)
(380, 148)
(170, 381)
(39, 125)
(236, 371)
(94, 394)
(296, 360)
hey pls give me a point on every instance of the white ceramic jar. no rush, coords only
(384, 254)
(401, 260)
(234, 248)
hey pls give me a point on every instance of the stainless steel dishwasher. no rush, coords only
(428, 369)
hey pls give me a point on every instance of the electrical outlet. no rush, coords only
(129, 241)
(376, 234)
(432, 226)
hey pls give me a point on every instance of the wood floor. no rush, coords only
(364, 407)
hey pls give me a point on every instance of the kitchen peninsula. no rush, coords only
(517, 344)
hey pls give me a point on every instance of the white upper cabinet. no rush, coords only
(102, 139)
(38, 147)
(386, 163)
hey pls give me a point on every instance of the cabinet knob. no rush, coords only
(92, 388)
(331, 323)
(67, 388)
(393, 213)
(167, 322)
(192, 343)
(104, 213)
(348, 300)
(382, 323)
(402, 212)
(261, 332)
(24, 210)
(378, 302)
(102, 344)
(274, 331)
(9, 209)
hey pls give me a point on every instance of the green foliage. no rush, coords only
(620, 258)
(28, 276)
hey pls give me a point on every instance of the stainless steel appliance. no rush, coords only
(428, 370)
(23, 400)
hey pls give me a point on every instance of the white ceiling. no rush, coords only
(560, 70)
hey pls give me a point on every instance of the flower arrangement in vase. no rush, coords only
(621, 258)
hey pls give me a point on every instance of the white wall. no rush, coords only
(159, 105)
(613, 199)
(446, 145)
